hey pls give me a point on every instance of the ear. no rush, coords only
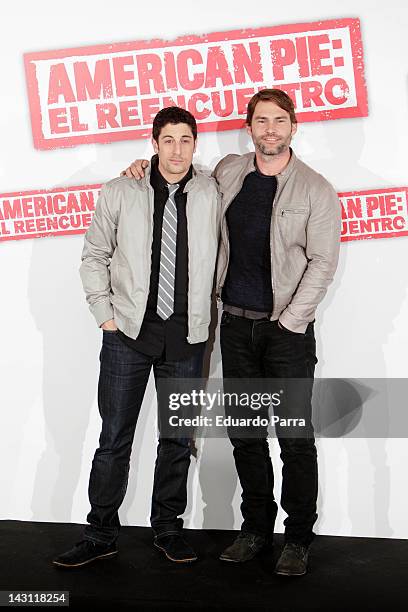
(294, 128)
(155, 146)
(249, 130)
(195, 146)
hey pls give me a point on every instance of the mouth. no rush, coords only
(176, 161)
(271, 139)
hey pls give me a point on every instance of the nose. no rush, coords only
(177, 148)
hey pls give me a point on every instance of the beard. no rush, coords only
(269, 149)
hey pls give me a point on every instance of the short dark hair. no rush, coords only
(278, 97)
(173, 115)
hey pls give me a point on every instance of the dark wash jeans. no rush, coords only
(123, 378)
(261, 349)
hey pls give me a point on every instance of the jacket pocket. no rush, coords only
(283, 212)
(292, 222)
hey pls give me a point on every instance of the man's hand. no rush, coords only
(136, 169)
(109, 325)
(289, 331)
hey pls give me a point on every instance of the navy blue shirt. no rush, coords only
(248, 281)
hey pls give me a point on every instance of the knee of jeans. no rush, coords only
(172, 444)
(114, 443)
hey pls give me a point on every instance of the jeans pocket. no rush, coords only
(288, 332)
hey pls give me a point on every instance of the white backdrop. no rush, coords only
(50, 343)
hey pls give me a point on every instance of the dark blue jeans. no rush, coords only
(123, 378)
(261, 349)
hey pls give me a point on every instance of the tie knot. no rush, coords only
(172, 188)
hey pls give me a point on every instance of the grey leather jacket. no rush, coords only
(304, 236)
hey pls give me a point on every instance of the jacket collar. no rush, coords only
(290, 166)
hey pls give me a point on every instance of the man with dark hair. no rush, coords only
(280, 238)
(173, 115)
(147, 270)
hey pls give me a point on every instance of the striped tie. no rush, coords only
(167, 273)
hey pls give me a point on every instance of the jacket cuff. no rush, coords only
(102, 311)
(298, 326)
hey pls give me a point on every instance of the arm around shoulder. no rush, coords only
(217, 172)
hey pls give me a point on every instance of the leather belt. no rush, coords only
(246, 314)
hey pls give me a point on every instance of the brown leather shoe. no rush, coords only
(244, 547)
(293, 560)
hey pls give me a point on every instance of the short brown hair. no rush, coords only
(173, 115)
(278, 97)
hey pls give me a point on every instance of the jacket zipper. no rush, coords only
(274, 204)
(292, 211)
(189, 277)
(151, 204)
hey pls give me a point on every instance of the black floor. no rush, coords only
(347, 574)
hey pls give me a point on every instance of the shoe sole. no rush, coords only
(186, 560)
(283, 573)
(99, 557)
(229, 560)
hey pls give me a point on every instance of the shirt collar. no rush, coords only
(157, 181)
